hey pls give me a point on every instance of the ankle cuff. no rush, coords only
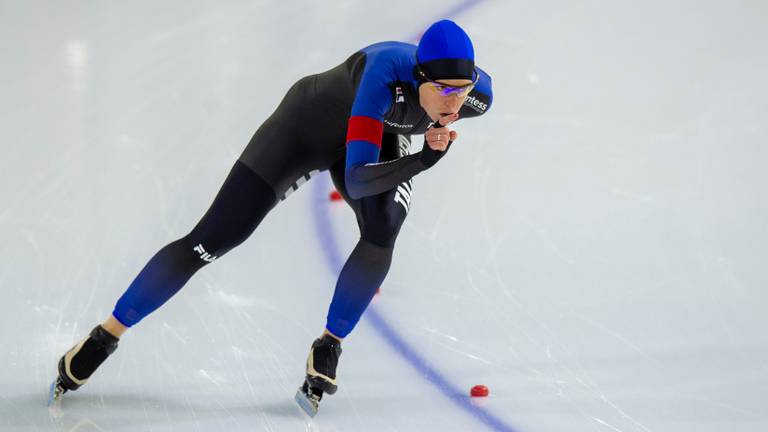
(104, 338)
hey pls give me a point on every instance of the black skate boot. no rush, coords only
(79, 363)
(321, 364)
(321, 373)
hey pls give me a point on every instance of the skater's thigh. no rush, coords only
(240, 205)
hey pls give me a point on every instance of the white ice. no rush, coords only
(592, 249)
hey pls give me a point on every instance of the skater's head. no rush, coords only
(446, 68)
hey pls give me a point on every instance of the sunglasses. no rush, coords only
(447, 90)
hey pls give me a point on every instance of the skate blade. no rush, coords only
(306, 403)
(54, 399)
(54, 393)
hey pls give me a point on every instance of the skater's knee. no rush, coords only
(192, 252)
(240, 206)
(201, 249)
(383, 230)
(380, 217)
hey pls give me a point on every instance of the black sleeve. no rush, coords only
(375, 178)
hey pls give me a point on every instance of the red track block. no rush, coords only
(479, 391)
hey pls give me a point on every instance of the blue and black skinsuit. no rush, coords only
(354, 120)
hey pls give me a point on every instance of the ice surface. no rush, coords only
(593, 249)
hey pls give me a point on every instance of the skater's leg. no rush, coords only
(362, 274)
(239, 207)
(379, 218)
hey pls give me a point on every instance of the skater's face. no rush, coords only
(443, 97)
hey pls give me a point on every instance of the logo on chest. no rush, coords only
(397, 125)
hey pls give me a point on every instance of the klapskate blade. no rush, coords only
(308, 405)
(52, 394)
(54, 400)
